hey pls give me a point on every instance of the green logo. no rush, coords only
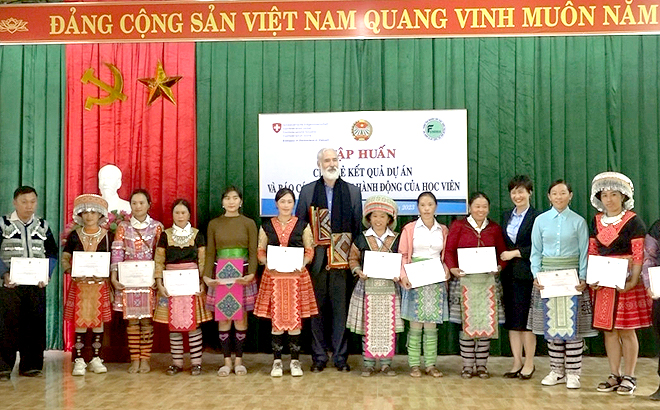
(434, 129)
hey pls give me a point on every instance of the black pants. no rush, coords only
(331, 288)
(22, 327)
(656, 323)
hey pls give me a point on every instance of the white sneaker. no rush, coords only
(553, 378)
(573, 381)
(79, 367)
(96, 365)
(277, 368)
(296, 369)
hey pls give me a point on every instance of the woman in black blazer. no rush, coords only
(516, 278)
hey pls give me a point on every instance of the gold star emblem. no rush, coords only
(160, 85)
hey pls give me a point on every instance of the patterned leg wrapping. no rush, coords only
(176, 348)
(430, 346)
(146, 339)
(557, 352)
(225, 343)
(80, 344)
(277, 343)
(482, 351)
(573, 362)
(294, 346)
(239, 341)
(467, 352)
(414, 347)
(133, 333)
(195, 344)
(97, 340)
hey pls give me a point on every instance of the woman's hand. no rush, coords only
(161, 288)
(115, 282)
(405, 283)
(537, 285)
(211, 282)
(630, 284)
(582, 286)
(245, 280)
(508, 255)
(595, 286)
(457, 272)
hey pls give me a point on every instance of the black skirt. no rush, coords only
(517, 299)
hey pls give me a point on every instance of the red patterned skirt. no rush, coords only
(622, 310)
(88, 304)
(286, 300)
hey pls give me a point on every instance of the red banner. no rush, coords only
(303, 19)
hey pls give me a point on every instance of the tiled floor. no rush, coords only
(327, 390)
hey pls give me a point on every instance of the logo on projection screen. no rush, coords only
(277, 127)
(361, 130)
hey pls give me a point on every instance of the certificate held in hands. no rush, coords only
(654, 280)
(181, 282)
(28, 271)
(477, 260)
(382, 265)
(88, 264)
(607, 272)
(425, 272)
(284, 258)
(558, 283)
(136, 274)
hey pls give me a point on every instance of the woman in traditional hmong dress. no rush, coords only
(229, 271)
(88, 299)
(479, 320)
(286, 297)
(136, 240)
(374, 311)
(425, 306)
(618, 232)
(517, 280)
(560, 240)
(182, 247)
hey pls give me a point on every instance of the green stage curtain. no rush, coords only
(31, 128)
(550, 107)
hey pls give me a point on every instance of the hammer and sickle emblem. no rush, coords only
(114, 92)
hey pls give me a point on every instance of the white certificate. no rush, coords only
(425, 272)
(28, 271)
(284, 258)
(608, 272)
(88, 264)
(558, 283)
(477, 260)
(654, 280)
(181, 282)
(136, 274)
(382, 265)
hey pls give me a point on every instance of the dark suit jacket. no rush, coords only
(519, 268)
(302, 212)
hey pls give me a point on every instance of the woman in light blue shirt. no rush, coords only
(560, 240)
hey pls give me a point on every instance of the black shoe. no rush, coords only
(32, 373)
(5, 376)
(656, 395)
(317, 367)
(172, 370)
(512, 375)
(527, 376)
(343, 367)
